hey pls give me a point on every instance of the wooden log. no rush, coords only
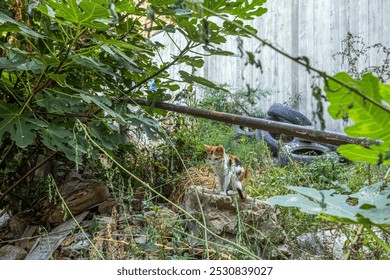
(263, 124)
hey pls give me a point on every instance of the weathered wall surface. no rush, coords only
(308, 28)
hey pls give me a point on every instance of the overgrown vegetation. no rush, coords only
(68, 71)
(71, 67)
(266, 180)
(368, 205)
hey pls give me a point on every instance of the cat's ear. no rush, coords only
(207, 147)
(220, 148)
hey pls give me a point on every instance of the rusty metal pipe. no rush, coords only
(268, 125)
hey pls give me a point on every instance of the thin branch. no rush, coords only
(162, 69)
(158, 72)
(27, 174)
(378, 240)
(354, 242)
(40, 87)
(7, 153)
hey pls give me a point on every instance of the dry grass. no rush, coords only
(195, 176)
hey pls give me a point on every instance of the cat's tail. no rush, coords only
(241, 194)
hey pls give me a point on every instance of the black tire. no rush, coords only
(303, 153)
(242, 131)
(272, 139)
(283, 111)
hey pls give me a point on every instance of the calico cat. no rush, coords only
(228, 169)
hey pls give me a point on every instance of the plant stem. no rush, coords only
(7, 153)
(354, 242)
(378, 240)
(162, 69)
(39, 87)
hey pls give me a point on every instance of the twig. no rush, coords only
(7, 153)
(378, 240)
(27, 174)
(162, 69)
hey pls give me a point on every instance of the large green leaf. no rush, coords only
(91, 62)
(373, 155)
(8, 24)
(16, 62)
(249, 9)
(195, 61)
(89, 13)
(118, 43)
(244, 9)
(20, 126)
(189, 78)
(122, 59)
(384, 91)
(103, 103)
(58, 103)
(371, 205)
(369, 120)
(107, 136)
(217, 51)
(58, 138)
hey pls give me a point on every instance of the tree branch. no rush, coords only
(162, 69)
(2, 195)
(263, 124)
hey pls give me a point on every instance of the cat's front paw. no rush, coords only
(222, 193)
(230, 192)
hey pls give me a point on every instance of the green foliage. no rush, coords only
(189, 78)
(267, 180)
(369, 120)
(243, 9)
(68, 62)
(368, 206)
(355, 54)
(78, 57)
(366, 102)
(241, 102)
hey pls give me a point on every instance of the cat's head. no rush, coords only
(215, 153)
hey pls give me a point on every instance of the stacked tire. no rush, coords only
(291, 149)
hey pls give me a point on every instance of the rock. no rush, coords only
(233, 218)
(324, 244)
(105, 208)
(164, 219)
(3, 219)
(10, 252)
(107, 220)
(80, 245)
(142, 239)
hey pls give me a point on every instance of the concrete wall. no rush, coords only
(311, 28)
